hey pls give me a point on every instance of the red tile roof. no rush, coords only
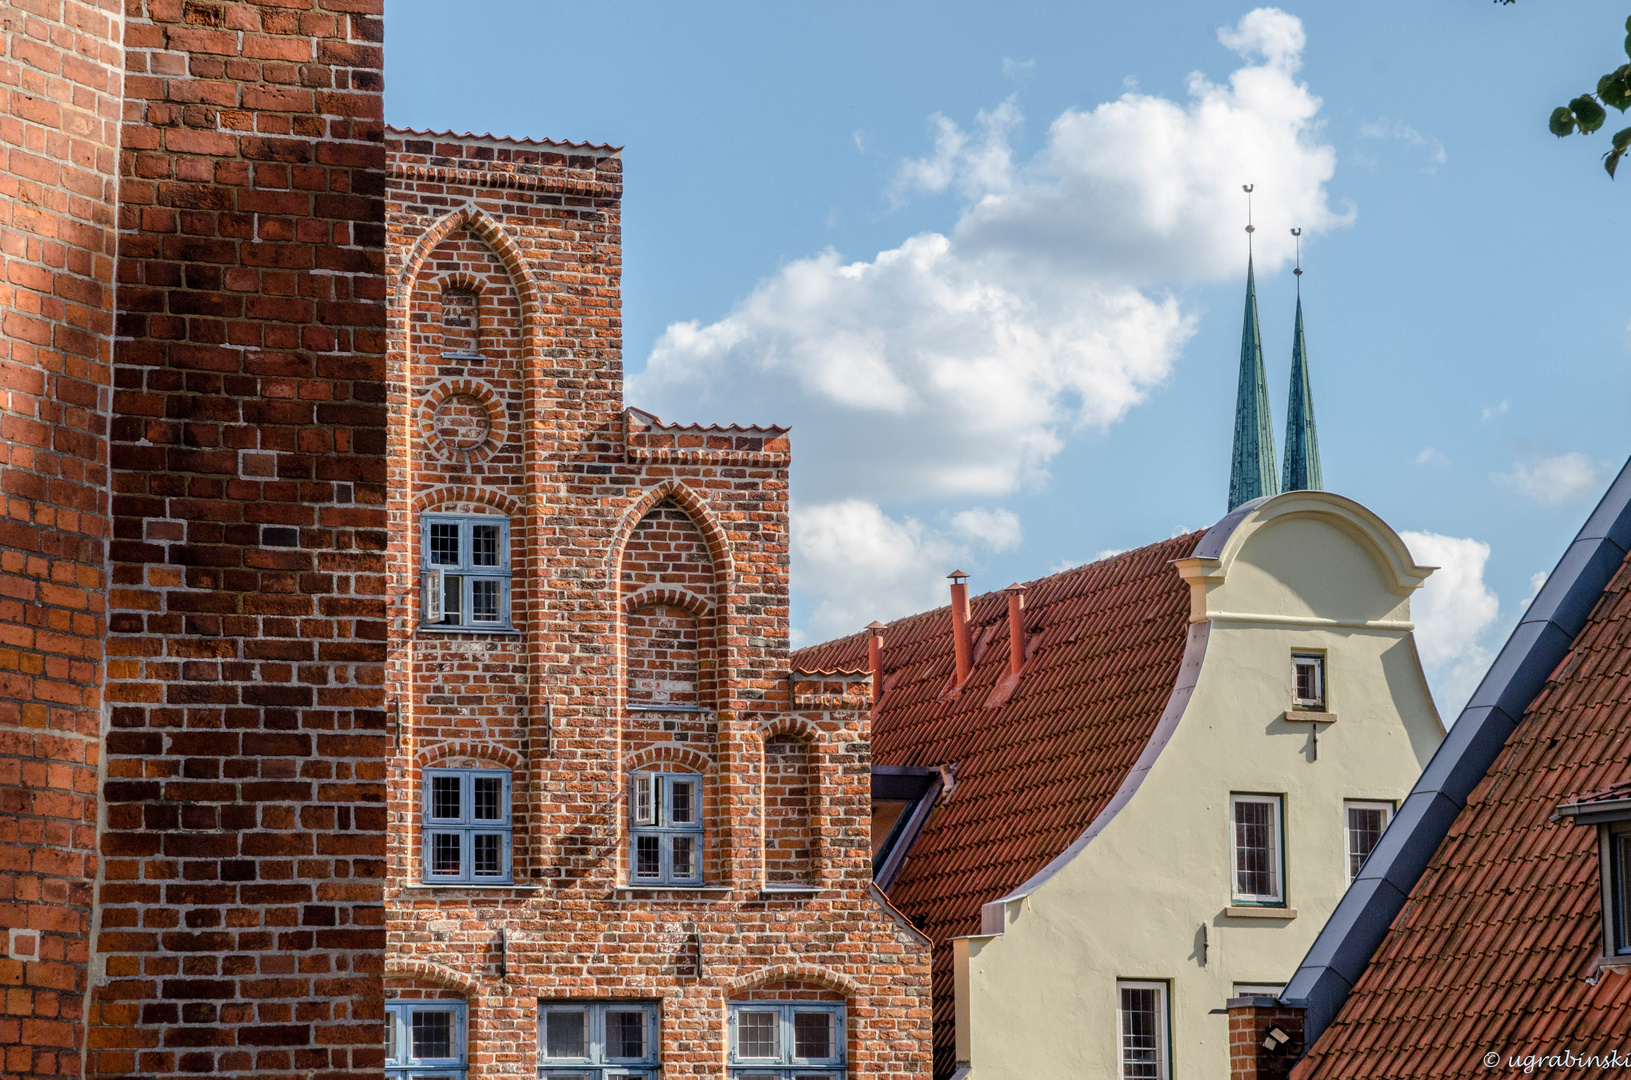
(1034, 771)
(1496, 950)
(519, 140)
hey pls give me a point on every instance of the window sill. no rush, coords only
(645, 890)
(500, 631)
(1248, 911)
(791, 890)
(1309, 716)
(670, 708)
(512, 886)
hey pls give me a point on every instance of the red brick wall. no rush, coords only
(1249, 1025)
(59, 127)
(787, 811)
(644, 554)
(241, 922)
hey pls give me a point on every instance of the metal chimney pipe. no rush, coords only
(874, 654)
(959, 625)
(1016, 628)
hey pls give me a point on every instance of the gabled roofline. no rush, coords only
(1541, 640)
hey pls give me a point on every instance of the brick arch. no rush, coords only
(651, 596)
(498, 416)
(493, 234)
(430, 500)
(702, 516)
(669, 754)
(498, 755)
(432, 972)
(458, 279)
(788, 725)
(814, 974)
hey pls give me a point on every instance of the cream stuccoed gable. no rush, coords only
(1144, 893)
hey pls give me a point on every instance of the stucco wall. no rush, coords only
(1304, 572)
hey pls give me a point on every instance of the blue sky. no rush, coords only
(988, 261)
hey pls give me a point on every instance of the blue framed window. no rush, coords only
(465, 561)
(665, 835)
(597, 1040)
(798, 1040)
(425, 1040)
(466, 826)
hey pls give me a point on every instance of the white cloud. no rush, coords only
(1452, 612)
(1555, 480)
(1536, 580)
(1015, 69)
(1398, 129)
(1492, 411)
(1431, 456)
(873, 566)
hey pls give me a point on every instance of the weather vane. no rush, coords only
(1250, 228)
(1298, 233)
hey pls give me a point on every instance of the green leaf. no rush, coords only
(1622, 138)
(1611, 161)
(1562, 122)
(1615, 87)
(1587, 113)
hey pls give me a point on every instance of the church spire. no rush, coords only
(1302, 465)
(1251, 472)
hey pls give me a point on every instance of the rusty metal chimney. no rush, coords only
(1016, 628)
(959, 625)
(874, 654)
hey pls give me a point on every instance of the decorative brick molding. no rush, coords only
(453, 495)
(654, 596)
(429, 971)
(651, 442)
(810, 974)
(483, 225)
(498, 420)
(684, 757)
(701, 514)
(501, 756)
(518, 177)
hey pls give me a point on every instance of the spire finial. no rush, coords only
(1298, 233)
(1250, 228)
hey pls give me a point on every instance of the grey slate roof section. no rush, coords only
(1351, 936)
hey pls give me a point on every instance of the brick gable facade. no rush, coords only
(646, 632)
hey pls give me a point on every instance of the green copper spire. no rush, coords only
(1251, 473)
(1302, 466)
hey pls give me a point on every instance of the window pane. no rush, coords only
(391, 1020)
(487, 856)
(1141, 1033)
(682, 802)
(444, 798)
(813, 1035)
(1365, 825)
(432, 1034)
(489, 798)
(1623, 887)
(1307, 669)
(484, 545)
(444, 543)
(625, 1034)
(645, 800)
(1255, 871)
(685, 857)
(566, 1033)
(484, 600)
(453, 600)
(757, 1034)
(444, 853)
(648, 857)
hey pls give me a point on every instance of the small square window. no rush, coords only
(466, 571)
(791, 1041)
(597, 1040)
(1308, 681)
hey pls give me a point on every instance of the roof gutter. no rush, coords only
(1542, 639)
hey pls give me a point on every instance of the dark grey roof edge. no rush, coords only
(1542, 638)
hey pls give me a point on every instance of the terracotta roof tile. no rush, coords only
(1492, 951)
(1035, 771)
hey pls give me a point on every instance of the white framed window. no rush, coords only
(597, 1040)
(1258, 833)
(665, 834)
(465, 562)
(1145, 1024)
(1308, 681)
(425, 1039)
(466, 827)
(1364, 824)
(1259, 989)
(799, 1040)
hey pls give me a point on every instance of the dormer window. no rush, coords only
(1610, 812)
(1308, 681)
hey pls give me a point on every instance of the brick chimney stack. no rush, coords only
(959, 625)
(874, 653)
(1016, 628)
